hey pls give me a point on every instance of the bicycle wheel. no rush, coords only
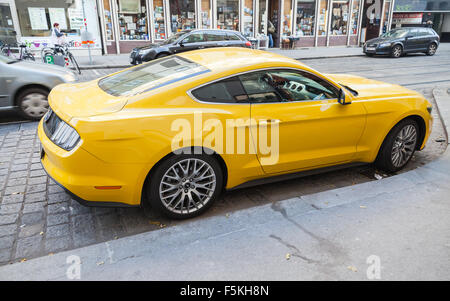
(74, 62)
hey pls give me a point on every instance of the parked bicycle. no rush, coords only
(59, 55)
(17, 51)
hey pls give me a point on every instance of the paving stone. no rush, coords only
(58, 198)
(10, 208)
(18, 174)
(58, 230)
(8, 219)
(15, 189)
(36, 166)
(32, 218)
(57, 244)
(6, 230)
(12, 198)
(83, 230)
(56, 219)
(5, 255)
(3, 170)
(37, 173)
(6, 241)
(77, 209)
(55, 189)
(35, 197)
(34, 207)
(26, 231)
(22, 156)
(28, 246)
(36, 188)
(37, 180)
(58, 208)
(19, 167)
(16, 182)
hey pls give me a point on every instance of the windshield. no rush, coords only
(150, 76)
(173, 38)
(399, 33)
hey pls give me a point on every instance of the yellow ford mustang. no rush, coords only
(177, 131)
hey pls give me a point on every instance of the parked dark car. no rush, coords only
(189, 40)
(401, 41)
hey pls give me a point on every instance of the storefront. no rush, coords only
(430, 13)
(31, 22)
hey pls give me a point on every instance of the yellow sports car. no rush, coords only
(175, 132)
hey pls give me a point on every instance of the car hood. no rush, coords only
(381, 40)
(42, 68)
(369, 88)
(83, 100)
(149, 46)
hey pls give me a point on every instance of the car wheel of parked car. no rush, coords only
(162, 55)
(397, 51)
(33, 103)
(184, 186)
(431, 49)
(369, 54)
(399, 146)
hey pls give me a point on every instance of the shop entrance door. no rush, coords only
(371, 19)
(8, 31)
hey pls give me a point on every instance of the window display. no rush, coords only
(305, 19)
(286, 19)
(355, 18)
(205, 14)
(385, 24)
(158, 19)
(228, 14)
(323, 18)
(339, 17)
(133, 20)
(262, 24)
(182, 15)
(248, 18)
(108, 20)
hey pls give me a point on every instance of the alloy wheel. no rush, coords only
(397, 51)
(34, 104)
(187, 186)
(404, 145)
(432, 49)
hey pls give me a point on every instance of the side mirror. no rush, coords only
(409, 37)
(342, 99)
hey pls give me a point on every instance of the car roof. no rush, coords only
(232, 58)
(218, 30)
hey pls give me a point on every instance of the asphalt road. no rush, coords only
(417, 72)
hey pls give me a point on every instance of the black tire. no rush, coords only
(162, 55)
(431, 49)
(153, 186)
(32, 109)
(74, 63)
(384, 160)
(369, 54)
(397, 51)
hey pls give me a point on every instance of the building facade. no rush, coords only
(120, 25)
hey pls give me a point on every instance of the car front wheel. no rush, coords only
(431, 49)
(33, 103)
(185, 186)
(399, 146)
(396, 51)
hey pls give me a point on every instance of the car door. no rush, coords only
(4, 80)
(195, 40)
(412, 40)
(424, 38)
(314, 130)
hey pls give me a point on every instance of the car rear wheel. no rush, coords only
(33, 103)
(185, 186)
(369, 54)
(431, 49)
(396, 51)
(399, 146)
(162, 55)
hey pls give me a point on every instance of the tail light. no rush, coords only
(248, 44)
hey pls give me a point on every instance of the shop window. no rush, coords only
(385, 24)
(305, 18)
(286, 19)
(205, 14)
(182, 15)
(133, 20)
(262, 15)
(158, 19)
(323, 18)
(355, 18)
(108, 20)
(339, 17)
(248, 18)
(228, 14)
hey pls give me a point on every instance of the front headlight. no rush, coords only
(385, 45)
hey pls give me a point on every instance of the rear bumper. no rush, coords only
(79, 173)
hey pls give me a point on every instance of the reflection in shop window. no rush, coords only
(387, 4)
(323, 17)
(248, 18)
(339, 17)
(133, 20)
(355, 18)
(262, 14)
(306, 10)
(108, 20)
(228, 14)
(158, 20)
(205, 14)
(287, 18)
(182, 15)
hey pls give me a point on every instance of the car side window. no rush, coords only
(229, 90)
(232, 37)
(194, 38)
(286, 85)
(214, 37)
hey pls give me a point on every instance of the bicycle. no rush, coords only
(22, 50)
(59, 55)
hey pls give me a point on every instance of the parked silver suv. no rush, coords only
(26, 85)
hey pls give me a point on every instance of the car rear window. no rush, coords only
(151, 76)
